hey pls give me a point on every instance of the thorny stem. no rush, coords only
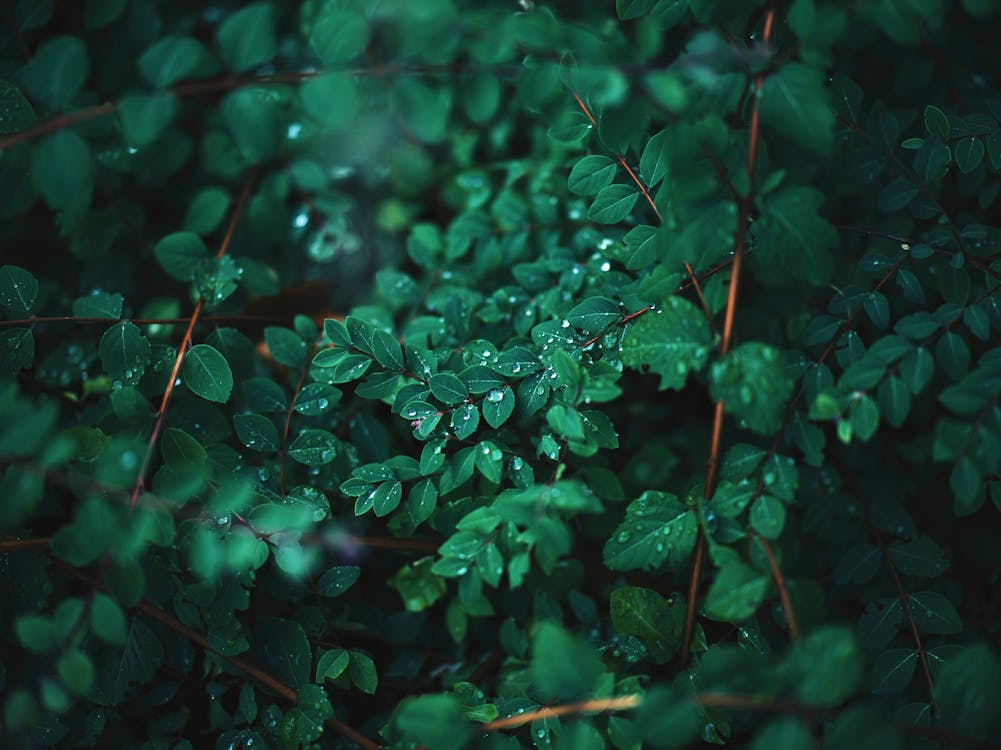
(161, 414)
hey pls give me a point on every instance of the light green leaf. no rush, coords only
(736, 593)
(172, 58)
(58, 70)
(247, 38)
(613, 203)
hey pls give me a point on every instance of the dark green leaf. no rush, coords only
(206, 372)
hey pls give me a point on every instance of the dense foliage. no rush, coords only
(445, 374)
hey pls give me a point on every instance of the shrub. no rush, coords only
(670, 417)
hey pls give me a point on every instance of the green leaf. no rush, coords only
(422, 500)
(330, 99)
(424, 111)
(968, 692)
(791, 237)
(612, 204)
(338, 36)
(562, 666)
(655, 161)
(969, 152)
(433, 721)
(56, 73)
(76, 671)
(332, 664)
(143, 117)
(656, 621)
(247, 38)
(448, 388)
(826, 666)
(893, 670)
(768, 516)
(752, 384)
(591, 174)
(18, 290)
(252, 118)
(286, 346)
(362, 672)
(108, 621)
(736, 593)
(206, 212)
(16, 112)
(337, 580)
(97, 304)
(386, 497)
(103, 12)
(387, 351)
(796, 103)
(63, 170)
(671, 342)
(256, 432)
(965, 481)
(934, 614)
(497, 406)
(172, 58)
(936, 122)
(283, 650)
(594, 314)
(313, 447)
(180, 254)
(125, 353)
(657, 529)
(207, 374)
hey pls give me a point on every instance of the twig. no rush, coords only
(161, 414)
(247, 667)
(620, 703)
(743, 214)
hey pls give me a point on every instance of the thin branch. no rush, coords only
(619, 157)
(58, 123)
(621, 703)
(161, 414)
(24, 545)
(745, 206)
(780, 582)
(702, 298)
(245, 666)
(904, 601)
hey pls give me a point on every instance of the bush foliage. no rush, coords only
(494, 375)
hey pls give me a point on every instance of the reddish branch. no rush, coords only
(161, 414)
(715, 450)
(619, 157)
(245, 666)
(905, 602)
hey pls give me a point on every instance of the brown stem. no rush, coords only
(780, 582)
(161, 414)
(591, 706)
(740, 238)
(24, 545)
(245, 666)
